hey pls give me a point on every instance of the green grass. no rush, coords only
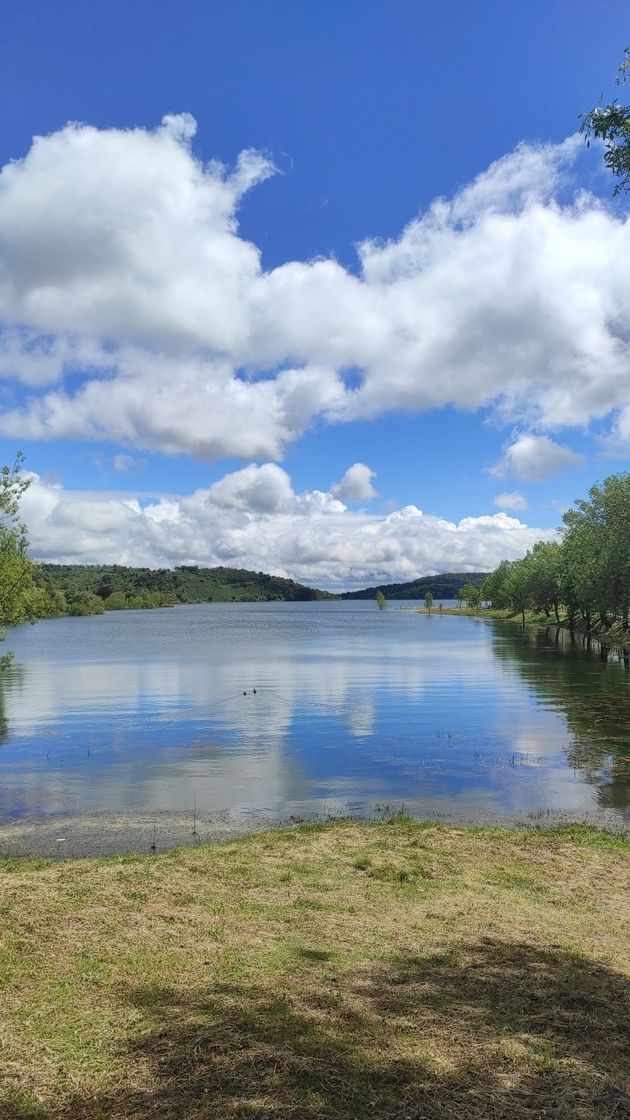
(615, 636)
(334, 972)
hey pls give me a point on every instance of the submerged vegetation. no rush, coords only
(583, 579)
(331, 972)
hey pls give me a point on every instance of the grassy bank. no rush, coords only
(614, 637)
(343, 971)
(494, 612)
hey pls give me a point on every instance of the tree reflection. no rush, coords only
(591, 688)
(11, 678)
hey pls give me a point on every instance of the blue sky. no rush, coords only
(192, 325)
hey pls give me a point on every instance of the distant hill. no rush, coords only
(121, 588)
(443, 586)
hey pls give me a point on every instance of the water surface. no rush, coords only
(355, 710)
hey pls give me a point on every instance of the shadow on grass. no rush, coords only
(489, 1031)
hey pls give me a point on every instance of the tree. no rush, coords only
(587, 572)
(545, 562)
(428, 600)
(494, 589)
(18, 596)
(470, 594)
(597, 549)
(519, 588)
(83, 603)
(611, 124)
(381, 601)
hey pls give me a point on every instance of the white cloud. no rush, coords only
(511, 499)
(253, 518)
(356, 484)
(125, 463)
(532, 458)
(265, 489)
(121, 261)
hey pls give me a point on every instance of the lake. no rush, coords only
(133, 728)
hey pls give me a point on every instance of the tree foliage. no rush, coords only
(471, 595)
(19, 600)
(611, 124)
(587, 572)
(428, 600)
(90, 589)
(381, 601)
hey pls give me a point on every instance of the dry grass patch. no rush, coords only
(382, 970)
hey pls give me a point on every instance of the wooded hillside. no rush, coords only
(87, 589)
(443, 586)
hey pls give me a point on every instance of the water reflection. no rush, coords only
(352, 707)
(592, 687)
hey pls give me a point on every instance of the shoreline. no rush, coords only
(108, 834)
(613, 639)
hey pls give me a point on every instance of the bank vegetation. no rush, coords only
(581, 580)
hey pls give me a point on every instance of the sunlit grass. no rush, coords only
(350, 970)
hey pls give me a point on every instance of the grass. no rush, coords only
(537, 617)
(614, 636)
(344, 971)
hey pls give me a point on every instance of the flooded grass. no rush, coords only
(353, 970)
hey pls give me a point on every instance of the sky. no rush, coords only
(327, 288)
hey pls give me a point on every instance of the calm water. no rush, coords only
(354, 709)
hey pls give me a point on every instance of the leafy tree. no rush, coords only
(51, 602)
(587, 572)
(428, 600)
(582, 582)
(117, 601)
(470, 594)
(597, 549)
(82, 603)
(494, 588)
(381, 601)
(611, 124)
(18, 598)
(545, 565)
(519, 587)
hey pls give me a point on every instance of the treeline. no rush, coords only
(444, 586)
(584, 578)
(81, 589)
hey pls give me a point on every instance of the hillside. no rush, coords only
(84, 589)
(443, 586)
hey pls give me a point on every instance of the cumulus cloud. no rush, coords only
(511, 499)
(132, 310)
(253, 518)
(532, 458)
(356, 484)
